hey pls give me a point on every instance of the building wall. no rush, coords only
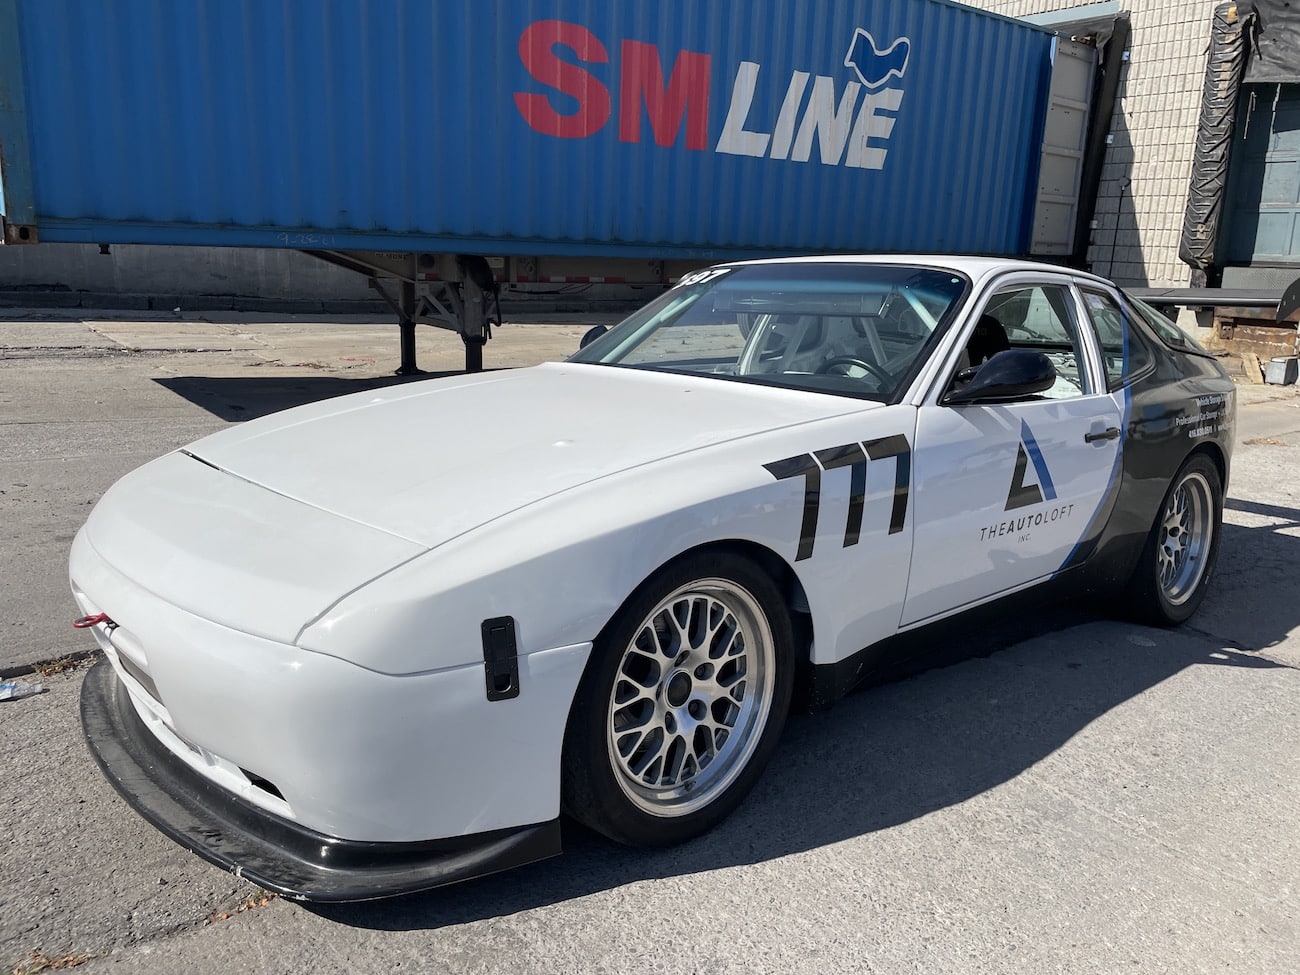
(1144, 183)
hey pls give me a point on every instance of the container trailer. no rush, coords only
(444, 148)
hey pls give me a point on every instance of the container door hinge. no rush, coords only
(501, 658)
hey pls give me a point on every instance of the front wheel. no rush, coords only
(1176, 565)
(682, 703)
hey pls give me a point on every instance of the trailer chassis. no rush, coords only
(458, 291)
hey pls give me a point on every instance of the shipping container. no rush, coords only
(554, 133)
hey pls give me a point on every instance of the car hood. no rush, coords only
(430, 461)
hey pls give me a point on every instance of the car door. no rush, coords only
(1005, 491)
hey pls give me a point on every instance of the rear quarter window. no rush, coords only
(1124, 352)
(1165, 330)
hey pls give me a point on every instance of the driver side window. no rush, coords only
(1039, 318)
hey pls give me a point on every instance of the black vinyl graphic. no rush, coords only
(850, 455)
(1022, 494)
(854, 456)
(895, 446)
(804, 465)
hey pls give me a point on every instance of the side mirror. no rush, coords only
(1010, 375)
(592, 334)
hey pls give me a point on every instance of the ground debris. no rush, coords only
(59, 352)
(63, 665)
(39, 961)
(51, 668)
(16, 690)
(259, 899)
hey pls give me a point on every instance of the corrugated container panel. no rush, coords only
(531, 126)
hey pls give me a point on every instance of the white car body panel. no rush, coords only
(441, 763)
(519, 437)
(259, 677)
(232, 552)
(969, 543)
(972, 543)
(573, 561)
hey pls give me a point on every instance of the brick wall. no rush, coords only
(1143, 192)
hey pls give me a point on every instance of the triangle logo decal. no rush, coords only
(1036, 491)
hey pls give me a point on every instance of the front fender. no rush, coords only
(562, 567)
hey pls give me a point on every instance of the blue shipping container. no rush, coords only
(543, 127)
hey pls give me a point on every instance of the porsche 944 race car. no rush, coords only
(380, 643)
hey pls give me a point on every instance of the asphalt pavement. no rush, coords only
(1099, 798)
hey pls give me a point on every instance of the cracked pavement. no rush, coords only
(1103, 797)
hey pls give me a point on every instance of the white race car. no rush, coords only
(379, 643)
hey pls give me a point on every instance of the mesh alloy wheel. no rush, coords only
(691, 697)
(682, 702)
(1177, 562)
(1186, 534)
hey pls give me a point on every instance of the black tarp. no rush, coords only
(1274, 39)
(1214, 132)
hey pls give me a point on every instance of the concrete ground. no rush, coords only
(1100, 798)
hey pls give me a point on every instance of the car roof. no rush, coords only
(974, 267)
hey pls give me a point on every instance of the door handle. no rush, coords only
(1110, 433)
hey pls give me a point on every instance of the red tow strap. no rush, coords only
(86, 622)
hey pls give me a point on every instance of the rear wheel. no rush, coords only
(682, 703)
(1178, 560)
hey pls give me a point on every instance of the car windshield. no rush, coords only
(847, 329)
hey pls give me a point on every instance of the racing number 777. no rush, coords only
(854, 456)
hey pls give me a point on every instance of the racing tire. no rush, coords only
(1177, 562)
(682, 703)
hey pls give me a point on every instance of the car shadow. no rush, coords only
(239, 398)
(1022, 688)
(1252, 598)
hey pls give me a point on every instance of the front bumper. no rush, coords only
(266, 849)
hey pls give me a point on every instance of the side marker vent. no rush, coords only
(501, 658)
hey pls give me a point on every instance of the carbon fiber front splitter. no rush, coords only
(265, 849)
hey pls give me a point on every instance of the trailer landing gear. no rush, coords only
(461, 292)
(406, 326)
(444, 290)
(474, 354)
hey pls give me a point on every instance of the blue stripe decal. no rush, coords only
(1040, 465)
